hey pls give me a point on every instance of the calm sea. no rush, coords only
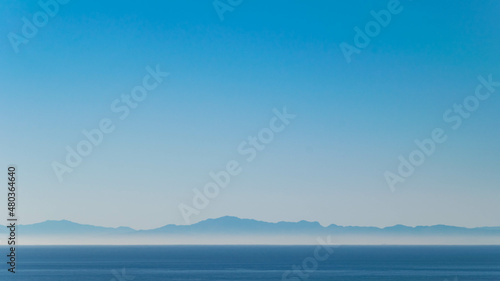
(344, 263)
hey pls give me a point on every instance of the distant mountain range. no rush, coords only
(233, 230)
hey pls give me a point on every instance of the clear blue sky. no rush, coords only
(353, 119)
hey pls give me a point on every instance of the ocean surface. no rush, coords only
(343, 263)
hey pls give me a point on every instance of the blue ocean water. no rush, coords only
(343, 263)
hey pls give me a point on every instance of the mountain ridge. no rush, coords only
(234, 230)
(233, 219)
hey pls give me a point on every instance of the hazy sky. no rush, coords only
(353, 120)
